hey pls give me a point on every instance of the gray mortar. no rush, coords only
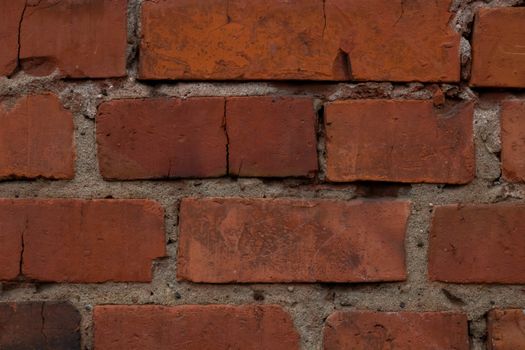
(308, 304)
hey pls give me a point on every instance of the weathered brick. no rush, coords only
(39, 325)
(284, 240)
(506, 329)
(84, 240)
(498, 48)
(399, 140)
(10, 242)
(161, 138)
(85, 38)
(362, 330)
(36, 139)
(299, 39)
(478, 244)
(9, 25)
(218, 327)
(513, 140)
(271, 136)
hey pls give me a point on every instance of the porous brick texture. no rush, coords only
(506, 329)
(262, 174)
(194, 327)
(396, 330)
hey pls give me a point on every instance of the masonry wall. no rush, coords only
(214, 174)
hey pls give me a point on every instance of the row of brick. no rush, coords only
(379, 140)
(225, 240)
(335, 40)
(48, 325)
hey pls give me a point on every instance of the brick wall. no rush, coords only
(249, 174)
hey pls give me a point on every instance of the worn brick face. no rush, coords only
(39, 325)
(506, 329)
(271, 136)
(401, 141)
(219, 327)
(36, 139)
(11, 13)
(285, 240)
(82, 38)
(298, 39)
(161, 138)
(513, 140)
(362, 330)
(477, 244)
(84, 240)
(498, 48)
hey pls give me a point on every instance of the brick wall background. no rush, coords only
(337, 174)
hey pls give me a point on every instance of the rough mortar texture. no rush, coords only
(308, 304)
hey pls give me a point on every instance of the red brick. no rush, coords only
(36, 139)
(85, 38)
(401, 141)
(271, 136)
(161, 138)
(11, 14)
(362, 330)
(85, 240)
(286, 240)
(478, 244)
(39, 325)
(498, 48)
(506, 329)
(299, 39)
(10, 242)
(218, 327)
(513, 140)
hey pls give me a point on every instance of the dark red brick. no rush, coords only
(478, 243)
(36, 139)
(513, 140)
(506, 329)
(9, 25)
(271, 136)
(82, 38)
(218, 327)
(223, 240)
(498, 48)
(399, 140)
(161, 138)
(39, 325)
(362, 330)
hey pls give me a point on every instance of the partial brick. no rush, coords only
(271, 136)
(36, 139)
(506, 329)
(9, 26)
(85, 241)
(298, 39)
(513, 140)
(223, 240)
(478, 244)
(10, 242)
(363, 330)
(80, 38)
(400, 141)
(218, 327)
(39, 325)
(161, 138)
(498, 48)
